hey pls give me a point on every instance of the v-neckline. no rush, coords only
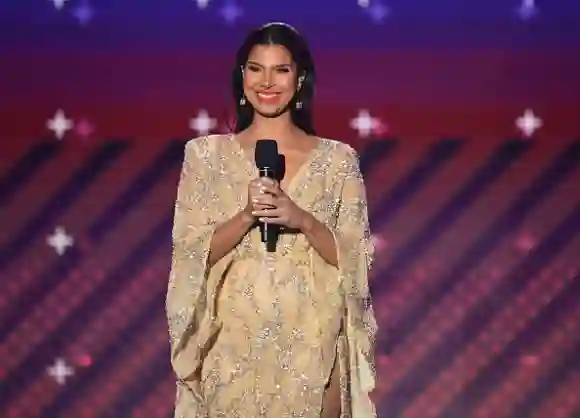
(302, 169)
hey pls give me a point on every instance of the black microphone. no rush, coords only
(266, 155)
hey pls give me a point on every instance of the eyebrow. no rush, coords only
(260, 65)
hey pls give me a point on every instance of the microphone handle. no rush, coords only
(268, 233)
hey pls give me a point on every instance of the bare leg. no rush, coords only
(331, 399)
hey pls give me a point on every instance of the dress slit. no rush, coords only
(337, 381)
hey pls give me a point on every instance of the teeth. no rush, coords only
(267, 95)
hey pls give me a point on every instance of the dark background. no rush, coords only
(476, 283)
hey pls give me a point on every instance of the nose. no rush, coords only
(268, 79)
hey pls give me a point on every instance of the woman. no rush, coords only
(283, 334)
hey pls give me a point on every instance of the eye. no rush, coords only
(283, 70)
(253, 68)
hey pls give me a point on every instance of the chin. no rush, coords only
(271, 111)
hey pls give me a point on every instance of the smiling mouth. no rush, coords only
(268, 97)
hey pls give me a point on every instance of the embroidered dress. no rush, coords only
(258, 334)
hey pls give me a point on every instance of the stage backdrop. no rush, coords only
(466, 115)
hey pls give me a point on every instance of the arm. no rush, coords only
(346, 246)
(352, 231)
(355, 255)
(283, 211)
(195, 212)
(352, 224)
(203, 236)
(320, 237)
(228, 235)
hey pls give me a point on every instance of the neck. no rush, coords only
(279, 128)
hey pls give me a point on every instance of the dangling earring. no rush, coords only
(300, 81)
(243, 98)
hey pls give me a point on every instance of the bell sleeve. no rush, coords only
(192, 289)
(355, 255)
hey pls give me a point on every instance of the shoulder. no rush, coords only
(345, 158)
(339, 149)
(206, 146)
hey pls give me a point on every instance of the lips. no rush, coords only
(268, 96)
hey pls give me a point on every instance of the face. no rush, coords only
(269, 79)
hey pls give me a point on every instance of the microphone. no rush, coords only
(266, 156)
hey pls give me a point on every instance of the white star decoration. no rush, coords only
(203, 123)
(529, 123)
(375, 9)
(59, 124)
(231, 12)
(364, 123)
(60, 371)
(58, 4)
(83, 13)
(59, 240)
(378, 11)
(527, 9)
(202, 4)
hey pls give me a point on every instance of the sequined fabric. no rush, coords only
(257, 335)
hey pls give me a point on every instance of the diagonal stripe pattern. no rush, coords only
(476, 289)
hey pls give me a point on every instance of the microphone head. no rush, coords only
(266, 153)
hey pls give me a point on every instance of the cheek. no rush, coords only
(247, 84)
(251, 81)
(286, 84)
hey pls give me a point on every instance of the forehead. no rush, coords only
(270, 54)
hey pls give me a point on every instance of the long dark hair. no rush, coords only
(286, 36)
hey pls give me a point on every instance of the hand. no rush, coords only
(272, 205)
(256, 189)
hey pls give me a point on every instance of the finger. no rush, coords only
(266, 199)
(269, 189)
(267, 213)
(263, 188)
(260, 207)
(267, 181)
(257, 191)
(262, 181)
(274, 184)
(276, 220)
(256, 183)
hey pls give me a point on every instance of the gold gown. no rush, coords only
(257, 335)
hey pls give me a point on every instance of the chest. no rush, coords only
(291, 167)
(311, 184)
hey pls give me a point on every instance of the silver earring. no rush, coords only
(299, 104)
(243, 101)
